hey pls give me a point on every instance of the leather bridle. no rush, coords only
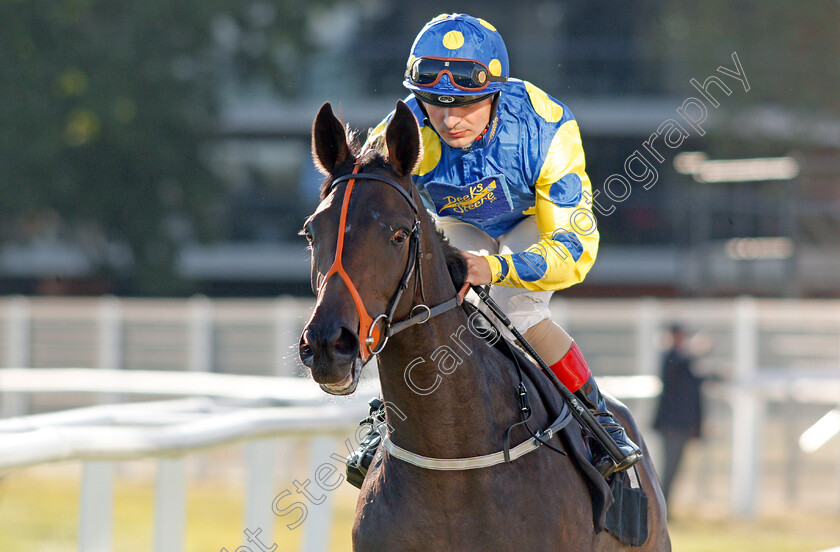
(374, 332)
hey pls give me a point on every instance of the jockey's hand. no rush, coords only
(478, 269)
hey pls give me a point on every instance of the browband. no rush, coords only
(381, 178)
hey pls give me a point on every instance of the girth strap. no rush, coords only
(477, 462)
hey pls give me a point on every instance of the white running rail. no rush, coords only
(253, 409)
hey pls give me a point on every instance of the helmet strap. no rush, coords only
(493, 107)
(422, 107)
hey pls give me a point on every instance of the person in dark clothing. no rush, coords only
(679, 415)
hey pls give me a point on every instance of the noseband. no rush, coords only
(375, 337)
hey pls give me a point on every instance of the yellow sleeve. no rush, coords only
(568, 231)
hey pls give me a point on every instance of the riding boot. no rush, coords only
(359, 461)
(574, 373)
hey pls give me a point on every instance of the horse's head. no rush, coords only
(365, 242)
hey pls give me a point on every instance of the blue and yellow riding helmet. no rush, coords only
(457, 59)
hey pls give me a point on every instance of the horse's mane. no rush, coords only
(372, 159)
(455, 262)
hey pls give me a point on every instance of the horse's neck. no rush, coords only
(450, 393)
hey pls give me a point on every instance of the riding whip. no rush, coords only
(583, 415)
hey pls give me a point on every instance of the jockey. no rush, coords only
(503, 173)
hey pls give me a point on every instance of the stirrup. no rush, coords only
(359, 461)
(604, 462)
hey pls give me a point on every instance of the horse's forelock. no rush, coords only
(369, 160)
(353, 140)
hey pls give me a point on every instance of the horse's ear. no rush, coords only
(403, 139)
(329, 141)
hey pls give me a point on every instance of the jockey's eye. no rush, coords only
(399, 236)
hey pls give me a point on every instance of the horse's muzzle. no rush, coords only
(331, 352)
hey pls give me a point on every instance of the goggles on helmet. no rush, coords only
(464, 74)
(443, 100)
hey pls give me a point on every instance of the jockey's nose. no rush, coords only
(328, 343)
(451, 117)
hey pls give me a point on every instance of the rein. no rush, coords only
(375, 338)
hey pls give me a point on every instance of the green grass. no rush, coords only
(40, 513)
(792, 533)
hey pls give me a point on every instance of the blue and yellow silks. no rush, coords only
(530, 162)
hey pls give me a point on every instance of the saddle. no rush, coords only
(619, 505)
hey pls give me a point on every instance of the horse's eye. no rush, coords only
(400, 236)
(307, 233)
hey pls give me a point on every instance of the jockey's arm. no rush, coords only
(568, 232)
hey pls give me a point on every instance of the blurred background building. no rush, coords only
(163, 149)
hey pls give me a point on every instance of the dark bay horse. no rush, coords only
(377, 260)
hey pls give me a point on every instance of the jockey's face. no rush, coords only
(460, 126)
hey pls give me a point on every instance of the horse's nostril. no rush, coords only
(305, 350)
(346, 344)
